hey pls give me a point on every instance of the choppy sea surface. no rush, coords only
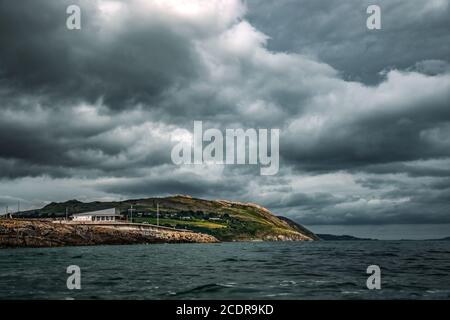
(246, 270)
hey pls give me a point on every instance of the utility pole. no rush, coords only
(131, 211)
(157, 214)
(18, 206)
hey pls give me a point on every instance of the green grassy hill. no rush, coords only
(226, 220)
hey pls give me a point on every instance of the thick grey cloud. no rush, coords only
(364, 115)
(337, 34)
(168, 183)
(123, 65)
(361, 126)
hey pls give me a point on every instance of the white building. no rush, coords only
(106, 215)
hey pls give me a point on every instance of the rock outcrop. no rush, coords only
(38, 233)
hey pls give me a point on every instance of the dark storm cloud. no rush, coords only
(85, 140)
(170, 183)
(91, 112)
(374, 131)
(416, 207)
(388, 199)
(415, 213)
(304, 200)
(134, 65)
(421, 170)
(336, 33)
(441, 184)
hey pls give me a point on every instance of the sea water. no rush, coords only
(240, 270)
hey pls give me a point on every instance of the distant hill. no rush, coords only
(225, 220)
(444, 239)
(440, 239)
(332, 237)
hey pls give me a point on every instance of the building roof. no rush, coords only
(106, 212)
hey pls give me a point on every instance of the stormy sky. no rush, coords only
(364, 115)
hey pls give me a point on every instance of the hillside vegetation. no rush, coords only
(225, 220)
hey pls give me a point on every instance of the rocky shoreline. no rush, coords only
(37, 233)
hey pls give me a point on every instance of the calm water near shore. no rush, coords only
(281, 270)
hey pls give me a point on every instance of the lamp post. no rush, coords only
(131, 212)
(157, 214)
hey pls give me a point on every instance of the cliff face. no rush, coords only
(36, 233)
